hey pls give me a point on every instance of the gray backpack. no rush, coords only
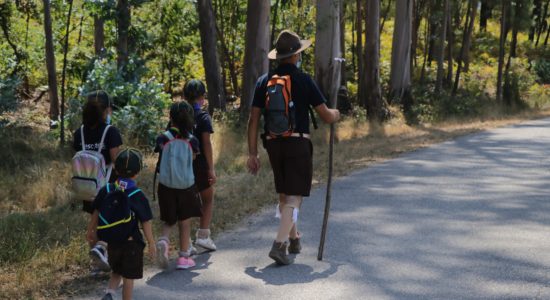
(176, 163)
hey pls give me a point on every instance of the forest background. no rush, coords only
(416, 72)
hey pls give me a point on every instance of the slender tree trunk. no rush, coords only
(99, 35)
(360, 55)
(50, 63)
(502, 49)
(211, 61)
(426, 46)
(441, 54)
(547, 35)
(385, 15)
(400, 77)
(230, 63)
(64, 72)
(485, 14)
(535, 16)
(468, 40)
(327, 39)
(374, 101)
(274, 23)
(123, 27)
(256, 49)
(515, 31)
(342, 19)
(542, 23)
(450, 45)
(472, 6)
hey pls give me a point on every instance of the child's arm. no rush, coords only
(91, 234)
(148, 232)
(207, 148)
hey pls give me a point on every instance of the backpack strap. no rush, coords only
(102, 138)
(82, 137)
(134, 192)
(169, 135)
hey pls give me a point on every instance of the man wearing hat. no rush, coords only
(290, 153)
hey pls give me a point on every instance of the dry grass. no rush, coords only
(57, 265)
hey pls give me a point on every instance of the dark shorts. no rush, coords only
(87, 206)
(292, 164)
(178, 205)
(200, 170)
(126, 259)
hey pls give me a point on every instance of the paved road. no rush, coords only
(466, 219)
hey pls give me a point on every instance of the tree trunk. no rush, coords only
(256, 49)
(64, 72)
(485, 13)
(515, 31)
(450, 45)
(537, 9)
(385, 15)
(468, 39)
(374, 99)
(123, 27)
(274, 23)
(426, 46)
(547, 35)
(400, 77)
(361, 99)
(441, 54)
(468, 27)
(342, 19)
(502, 49)
(99, 35)
(542, 23)
(327, 41)
(50, 63)
(211, 62)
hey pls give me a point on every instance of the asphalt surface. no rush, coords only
(465, 219)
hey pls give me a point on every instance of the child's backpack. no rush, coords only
(176, 163)
(89, 171)
(116, 220)
(279, 108)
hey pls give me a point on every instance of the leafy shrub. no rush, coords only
(8, 95)
(542, 68)
(141, 115)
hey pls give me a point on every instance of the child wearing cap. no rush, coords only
(126, 250)
(194, 91)
(179, 199)
(96, 119)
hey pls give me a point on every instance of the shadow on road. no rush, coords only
(294, 273)
(165, 279)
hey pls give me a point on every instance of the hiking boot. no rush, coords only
(185, 263)
(98, 254)
(162, 253)
(294, 247)
(278, 253)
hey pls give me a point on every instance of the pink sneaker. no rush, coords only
(185, 263)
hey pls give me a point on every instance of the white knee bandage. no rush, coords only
(295, 212)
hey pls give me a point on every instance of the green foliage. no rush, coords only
(8, 95)
(141, 117)
(542, 68)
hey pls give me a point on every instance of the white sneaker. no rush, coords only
(206, 243)
(98, 254)
(162, 254)
(192, 250)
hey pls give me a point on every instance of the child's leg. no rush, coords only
(287, 208)
(114, 282)
(166, 229)
(185, 234)
(127, 288)
(207, 197)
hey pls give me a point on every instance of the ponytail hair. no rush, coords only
(96, 104)
(182, 117)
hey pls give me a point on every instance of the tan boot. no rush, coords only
(278, 253)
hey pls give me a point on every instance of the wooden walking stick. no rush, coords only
(334, 99)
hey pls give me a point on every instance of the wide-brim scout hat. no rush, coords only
(288, 43)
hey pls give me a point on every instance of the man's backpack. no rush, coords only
(176, 163)
(116, 220)
(280, 112)
(279, 107)
(89, 171)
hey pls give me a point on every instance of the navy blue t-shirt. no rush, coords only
(139, 204)
(304, 92)
(203, 124)
(92, 138)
